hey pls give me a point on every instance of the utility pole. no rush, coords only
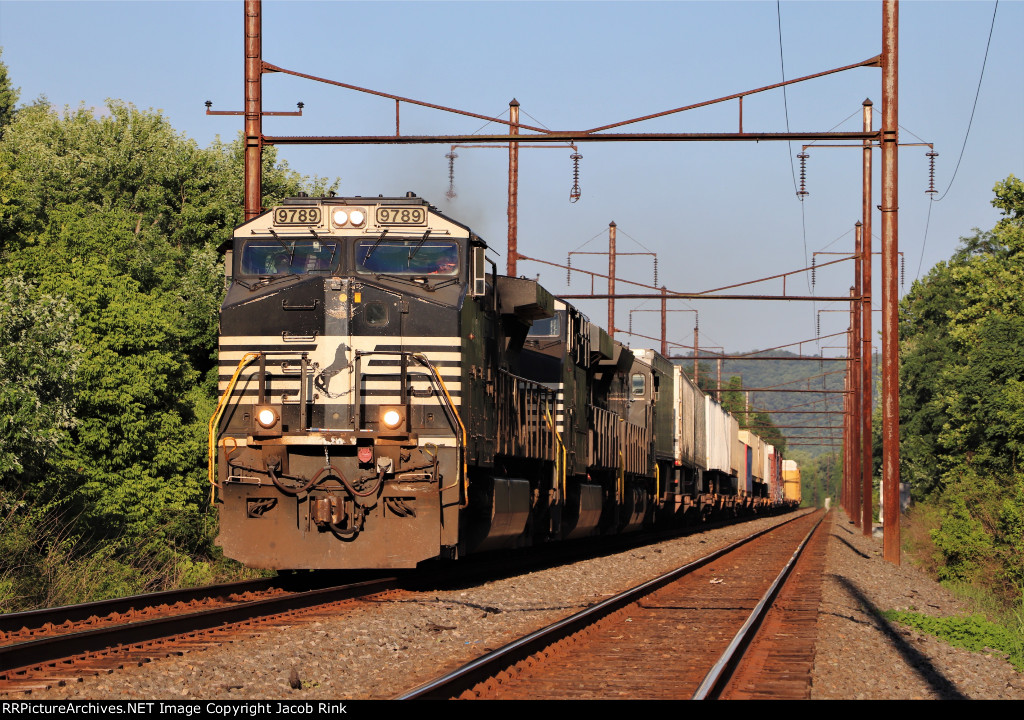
(867, 396)
(611, 279)
(253, 109)
(890, 254)
(513, 189)
(855, 399)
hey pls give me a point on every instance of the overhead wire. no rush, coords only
(977, 93)
(792, 169)
(963, 147)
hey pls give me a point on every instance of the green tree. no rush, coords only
(123, 217)
(734, 400)
(38, 360)
(8, 96)
(962, 399)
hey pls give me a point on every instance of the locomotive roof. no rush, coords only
(409, 199)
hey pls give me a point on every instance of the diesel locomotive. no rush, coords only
(387, 397)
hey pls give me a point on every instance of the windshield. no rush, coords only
(545, 327)
(408, 257)
(288, 257)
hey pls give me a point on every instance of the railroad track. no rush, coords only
(683, 635)
(43, 649)
(47, 648)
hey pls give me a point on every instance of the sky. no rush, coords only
(714, 214)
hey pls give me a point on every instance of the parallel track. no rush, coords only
(32, 624)
(55, 660)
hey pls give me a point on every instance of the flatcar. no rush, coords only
(387, 398)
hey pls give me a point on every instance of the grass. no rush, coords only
(992, 624)
(43, 563)
(972, 632)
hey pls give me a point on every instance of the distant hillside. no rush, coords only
(803, 409)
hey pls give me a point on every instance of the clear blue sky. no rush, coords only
(715, 213)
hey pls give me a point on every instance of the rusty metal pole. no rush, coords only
(611, 279)
(890, 297)
(664, 313)
(718, 392)
(847, 415)
(855, 398)
(513, 189)
(253, 201)
(696, 353)
(867, 462)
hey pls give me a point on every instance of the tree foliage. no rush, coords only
(110, 223)
(734, 400)
(8, 97)
(38, 360)
(962, 397)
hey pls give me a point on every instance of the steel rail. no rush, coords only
(13, 622)
(716, 678)
(493, 662)
(44, 650)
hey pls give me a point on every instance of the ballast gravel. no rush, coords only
(380, 651)
(860, 656)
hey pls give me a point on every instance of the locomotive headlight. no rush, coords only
(351, 217)
(266, 417)
(392, 417)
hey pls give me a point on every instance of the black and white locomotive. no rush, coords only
(388, 398)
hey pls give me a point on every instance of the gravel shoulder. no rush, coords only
(861, 656)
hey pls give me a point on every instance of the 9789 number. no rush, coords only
(297, 216)
(401, 216)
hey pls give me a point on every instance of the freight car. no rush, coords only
(388, 398)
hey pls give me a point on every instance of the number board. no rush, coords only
(297, 216)
(391, 215)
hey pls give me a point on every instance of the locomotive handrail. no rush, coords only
(657, 480)
(464, 500)
(215, 419)
(561, 458)
(519, 404)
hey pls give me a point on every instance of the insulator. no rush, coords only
(574, 193)
(931, 172)
(655, 271)
(803, 176)
(903, 269)
(818, 333)
(630, 331)
(568, 270)
(814, 270)
(451, 175)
